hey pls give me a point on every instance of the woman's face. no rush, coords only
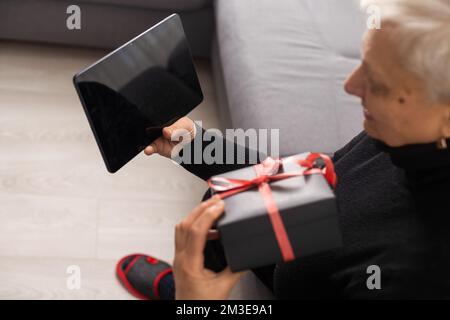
(396, 107)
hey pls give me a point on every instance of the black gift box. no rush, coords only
(307, 206)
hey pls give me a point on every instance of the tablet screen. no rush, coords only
(138, 89)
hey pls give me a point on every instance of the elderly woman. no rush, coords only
(394, 178)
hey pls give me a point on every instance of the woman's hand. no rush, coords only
(182, 131)
(192, 280)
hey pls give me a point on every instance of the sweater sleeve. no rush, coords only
(211, 154)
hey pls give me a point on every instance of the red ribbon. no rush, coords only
(267, 172)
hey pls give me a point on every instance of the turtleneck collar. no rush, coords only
(423, 163)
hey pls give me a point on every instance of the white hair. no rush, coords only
(422, 39)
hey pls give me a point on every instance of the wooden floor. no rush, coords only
(58, 205)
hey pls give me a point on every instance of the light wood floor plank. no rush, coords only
(46, 278)
(46, 226)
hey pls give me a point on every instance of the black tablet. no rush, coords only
(138, 89)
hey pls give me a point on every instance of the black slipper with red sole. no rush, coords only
(146, 277)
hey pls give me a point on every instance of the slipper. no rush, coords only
(146, 277)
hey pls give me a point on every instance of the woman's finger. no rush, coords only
(199, 229)
(185, 124)
(149, 150)
(167, 132)
(179, 239)
(181, 229)
(200, 209)
(154, 147)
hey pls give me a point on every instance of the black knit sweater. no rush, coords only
(394, 212)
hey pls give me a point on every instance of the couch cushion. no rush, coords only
(177, 5)
(284, 67)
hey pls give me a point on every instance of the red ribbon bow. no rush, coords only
(267, 172)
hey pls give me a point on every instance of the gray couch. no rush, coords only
(105, 23)
(282, 64)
